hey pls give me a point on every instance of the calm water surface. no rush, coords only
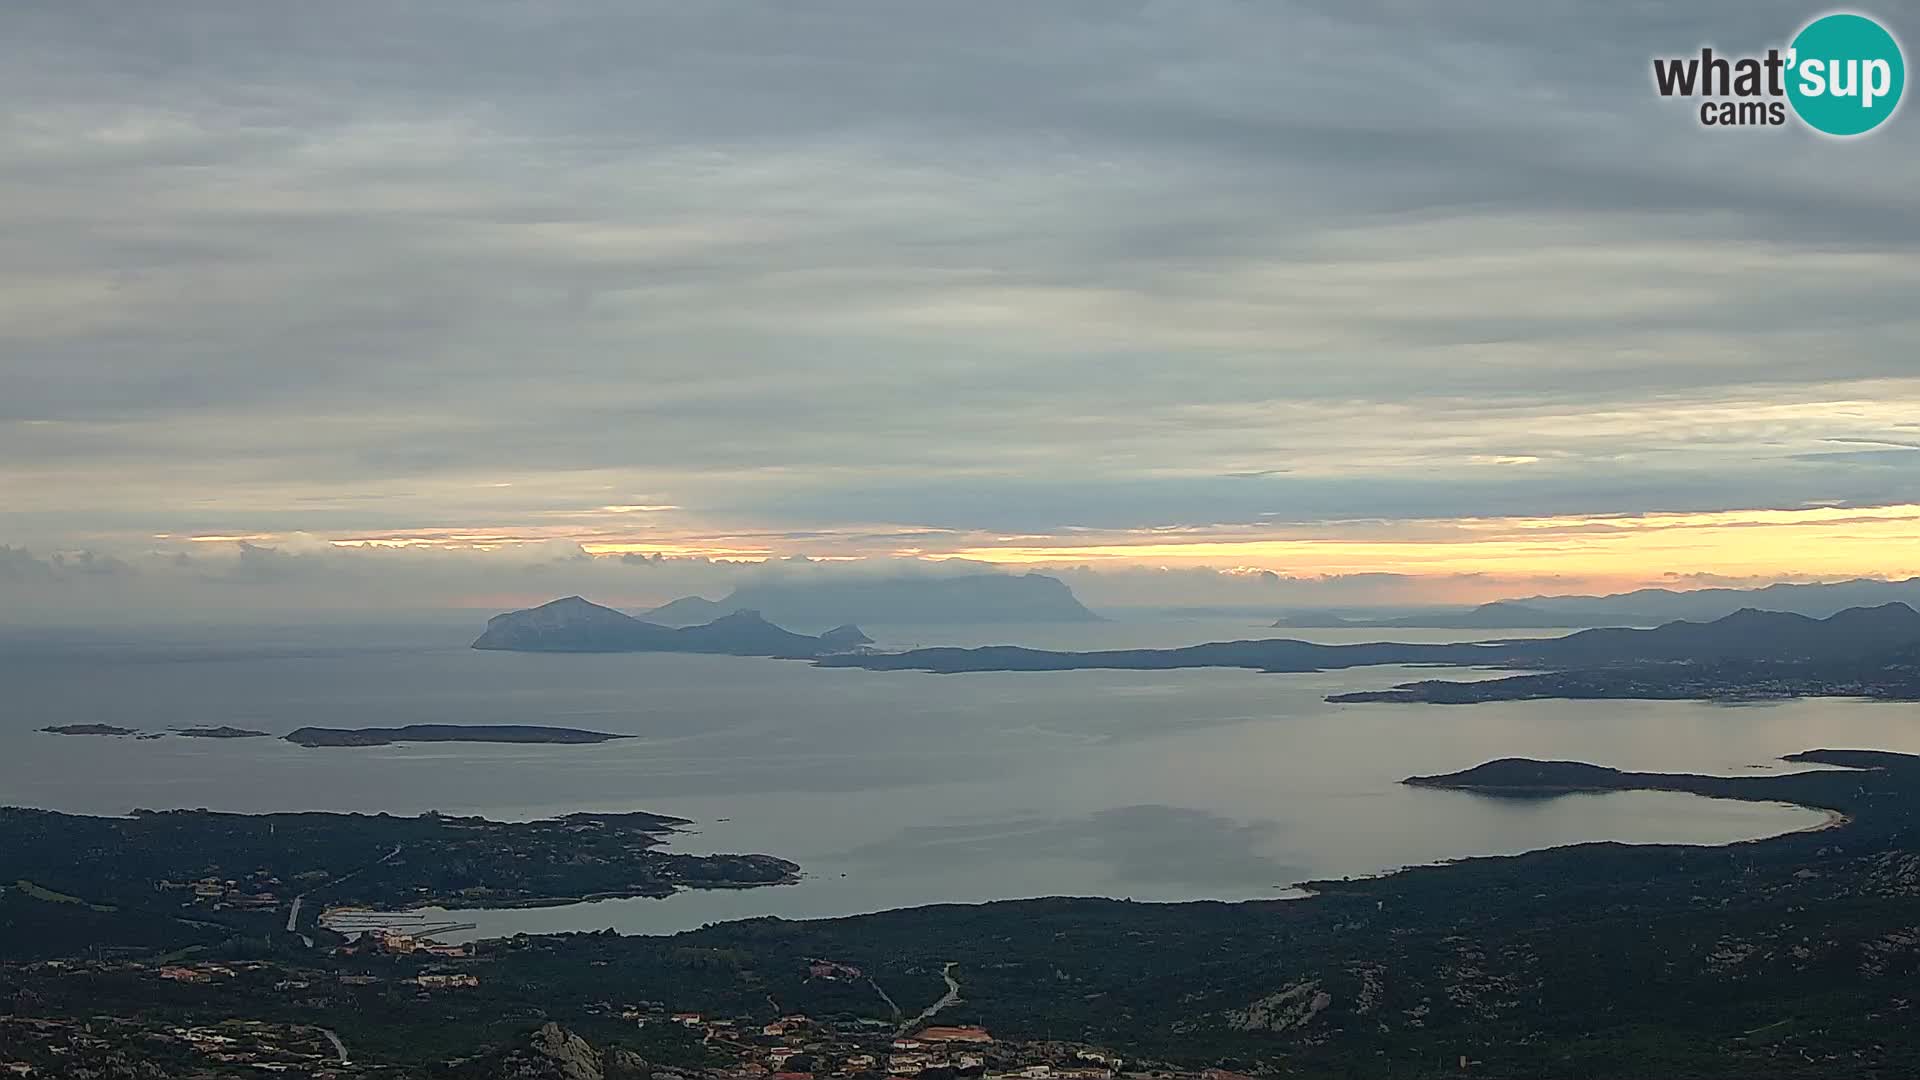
(896, 788)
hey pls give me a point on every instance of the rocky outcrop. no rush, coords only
(1290, 1007)
(554, 1053)
(573, 1056)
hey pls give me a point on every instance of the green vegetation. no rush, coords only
(1793, 957)
(50, 896)
(242, 872)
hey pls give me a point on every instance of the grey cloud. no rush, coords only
(261, 582)
(959, 266)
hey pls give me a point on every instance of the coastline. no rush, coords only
(1834, 820)
(1287, 894)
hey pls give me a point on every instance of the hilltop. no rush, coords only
(1860, 652)
(1652, 606)
(1643, 607)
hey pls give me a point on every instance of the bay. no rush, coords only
(890, 789)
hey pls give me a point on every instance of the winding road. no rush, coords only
(952, 997)
(338, 1046)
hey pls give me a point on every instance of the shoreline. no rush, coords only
(1834, 820)
(1288, 894)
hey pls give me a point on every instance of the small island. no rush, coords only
(87, 729)
(224, 731)
(486, 733)
(1531, 776)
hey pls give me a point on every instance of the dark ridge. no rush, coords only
(572, 624)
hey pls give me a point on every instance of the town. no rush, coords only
(384, 966)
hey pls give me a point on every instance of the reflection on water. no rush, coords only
(901, 788)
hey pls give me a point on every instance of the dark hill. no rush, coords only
(572, 624)
(1527, 774)
(1655, 606)
(1747, 634)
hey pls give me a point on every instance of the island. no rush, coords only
(87, 729)
(575, 625)
(481, 733)
(1531, 776)
(223, 731)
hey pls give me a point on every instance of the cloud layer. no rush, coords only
(874, 279)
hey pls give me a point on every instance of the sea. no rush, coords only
(890, 789)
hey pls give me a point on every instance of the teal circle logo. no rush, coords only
(1845, 74)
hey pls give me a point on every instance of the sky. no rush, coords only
(451, 301)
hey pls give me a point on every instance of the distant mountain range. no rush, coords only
(1748, 655)
(1644, 607)
(1499, 615)
(572, 624)
(1661, 605)
(970, 598)
(1747, 634)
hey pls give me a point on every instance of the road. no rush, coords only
(338, 1046)
(952, 997)
(293, 910)
(883, 997)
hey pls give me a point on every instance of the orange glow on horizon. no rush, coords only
(1816, 542)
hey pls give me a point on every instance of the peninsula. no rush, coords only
(1860, 652)
(1883, 678)
(183, 876)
